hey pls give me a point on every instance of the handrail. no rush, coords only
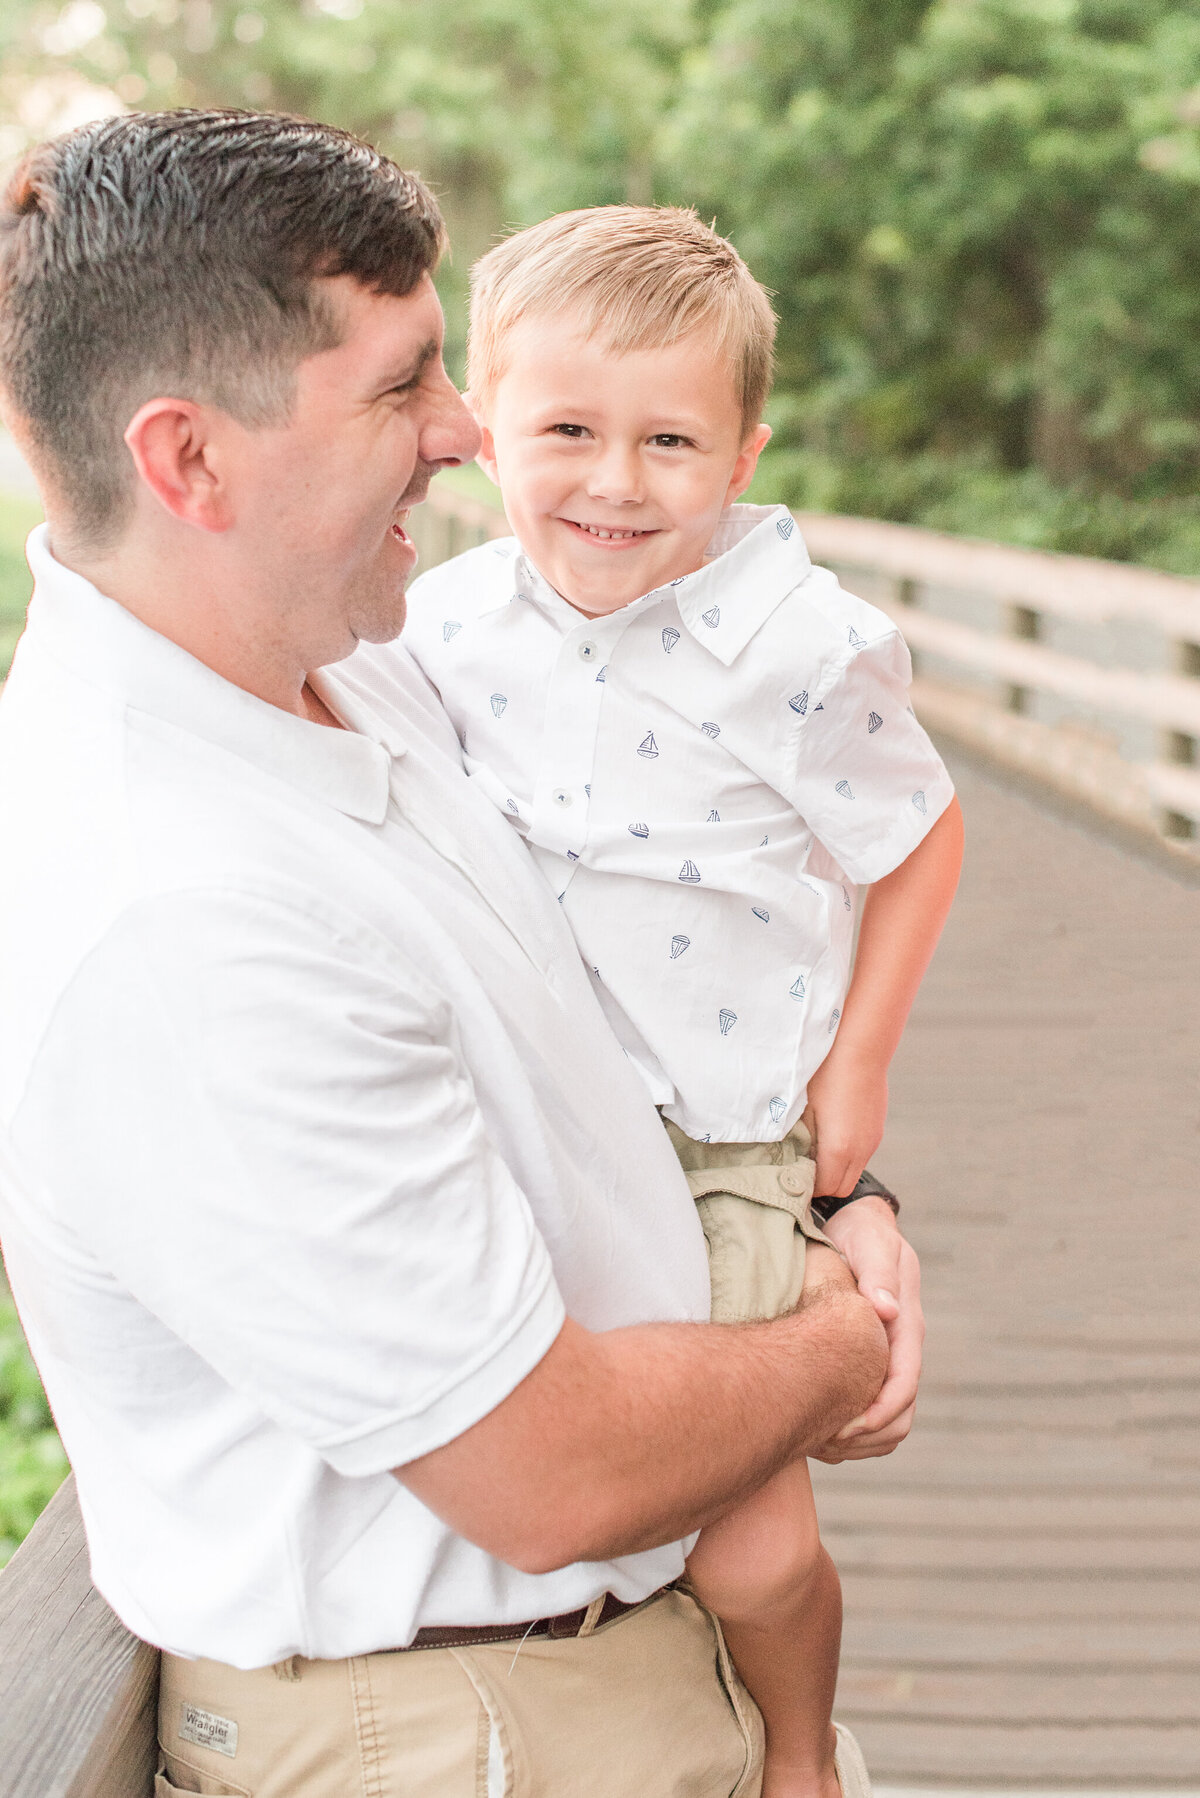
(78, 1693)
(1020, 654)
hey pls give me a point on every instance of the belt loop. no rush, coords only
(591, 1616)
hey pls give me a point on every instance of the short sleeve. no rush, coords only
(861, 771)
(258, 1120)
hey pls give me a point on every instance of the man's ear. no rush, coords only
(747, 462)
(173, 451)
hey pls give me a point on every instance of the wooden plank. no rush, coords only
(987, 1695)
(1077, 587)
(1118, 1757)
(1049, 1643)
(1169, 700)
(975, 1551)
(1047, 1597)
(78, 1693)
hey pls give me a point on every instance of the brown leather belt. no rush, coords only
(556, 1628)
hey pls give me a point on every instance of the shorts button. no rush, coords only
(588, 652)
(795, 1180)
(562, 797)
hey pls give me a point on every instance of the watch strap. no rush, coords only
(866, 1187)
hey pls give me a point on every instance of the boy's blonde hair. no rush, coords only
(639, 278)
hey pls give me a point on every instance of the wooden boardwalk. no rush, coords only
(1023, 1578)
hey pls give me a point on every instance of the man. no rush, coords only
(361, 1275)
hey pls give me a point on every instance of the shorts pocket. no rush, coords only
(194, 1779)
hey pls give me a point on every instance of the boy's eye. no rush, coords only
(669, 440)
(572, 431)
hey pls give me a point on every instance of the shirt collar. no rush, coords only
(106, 646)
(755, 559)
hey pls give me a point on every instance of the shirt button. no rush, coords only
(588, 652)
(795, 1180)
(562, 797)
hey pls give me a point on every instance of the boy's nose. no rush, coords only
(616, 476)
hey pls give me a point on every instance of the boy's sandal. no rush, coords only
(850, 1766)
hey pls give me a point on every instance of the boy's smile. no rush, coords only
(614, 468)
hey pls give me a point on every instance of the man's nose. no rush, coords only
(450, 435)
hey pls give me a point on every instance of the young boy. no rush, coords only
(708, 746)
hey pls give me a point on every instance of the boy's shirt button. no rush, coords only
(562, 797)
(588, 651)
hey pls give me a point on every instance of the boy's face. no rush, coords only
(614, 469)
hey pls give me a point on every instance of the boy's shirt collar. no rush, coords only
(755, 559)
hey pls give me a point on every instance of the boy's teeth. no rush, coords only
(594, 530)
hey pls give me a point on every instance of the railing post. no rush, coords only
(1179, 746)
(1026, 625)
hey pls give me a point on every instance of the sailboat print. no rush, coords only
(797, 987)
(799, 702)
(648, 747)
(689, 872)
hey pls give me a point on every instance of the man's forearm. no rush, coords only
(621, 1441)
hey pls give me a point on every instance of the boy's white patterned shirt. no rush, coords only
(704, 777)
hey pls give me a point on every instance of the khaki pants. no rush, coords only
(646, 1707)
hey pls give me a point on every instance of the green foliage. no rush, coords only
(17, 518)
(978, 216)
(32, 1463)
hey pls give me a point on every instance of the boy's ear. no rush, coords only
(747, 462)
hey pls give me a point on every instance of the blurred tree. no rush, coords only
(978, 216)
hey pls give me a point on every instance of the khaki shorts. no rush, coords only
(755, 1205)
(648, 1706)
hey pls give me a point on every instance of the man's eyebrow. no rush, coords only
(416, 368)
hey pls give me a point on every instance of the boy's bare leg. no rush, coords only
(763, 1571)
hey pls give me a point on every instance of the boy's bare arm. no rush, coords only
(622, 1440)
(902, 920)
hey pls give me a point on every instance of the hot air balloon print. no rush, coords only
(711, 730)
(670, 638)
(919, 802)
(498, 703)
(843, 787)
(727, 1020)
(450, 629)
(777, 1107)
(678, 945)
(833, 1021)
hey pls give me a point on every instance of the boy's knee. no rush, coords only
(748, 1580)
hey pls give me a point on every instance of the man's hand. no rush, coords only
(889, 1275)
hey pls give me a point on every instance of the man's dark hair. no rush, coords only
(175, 253)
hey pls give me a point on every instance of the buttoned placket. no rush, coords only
(562, 793)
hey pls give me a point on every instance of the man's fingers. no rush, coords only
(870, 1445)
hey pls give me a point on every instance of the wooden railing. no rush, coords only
(1082, 674)
(78, 1693)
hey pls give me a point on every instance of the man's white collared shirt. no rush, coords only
(310, 1131)
(704, 777)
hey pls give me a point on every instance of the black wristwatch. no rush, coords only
(867, 1187)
